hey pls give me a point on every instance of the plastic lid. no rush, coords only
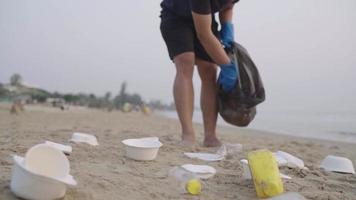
(193, 186)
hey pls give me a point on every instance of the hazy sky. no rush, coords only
(305, 49)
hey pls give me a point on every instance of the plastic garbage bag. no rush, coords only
(238, 107)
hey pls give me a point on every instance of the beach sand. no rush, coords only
(103, 173)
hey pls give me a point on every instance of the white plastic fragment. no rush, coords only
(246, 169)
(84, 138)
(222, 152)
(205, 156)
(292, 161)
(337, 164)
(288, 196)
(64, 148)
(202, 171)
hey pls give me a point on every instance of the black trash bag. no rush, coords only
(238, 107)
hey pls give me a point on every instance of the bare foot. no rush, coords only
(188, 141)
(212, 142)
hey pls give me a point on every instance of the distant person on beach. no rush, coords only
(191, 34)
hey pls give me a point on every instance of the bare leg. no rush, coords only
(208, 103)
(184, 95)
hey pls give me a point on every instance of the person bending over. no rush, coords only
(191, 34)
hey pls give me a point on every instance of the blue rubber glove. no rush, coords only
(227, 34)
(228, 76)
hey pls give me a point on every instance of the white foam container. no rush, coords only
(142, 149)
(42, 175)
(337, 164)
(28, 185)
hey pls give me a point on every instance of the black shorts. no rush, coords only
(180, 36)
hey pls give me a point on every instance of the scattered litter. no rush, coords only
(229, 149)
(187, 182)
(289, 196)
(85, 138)
(246, 169)
(286, 159)
(265, 173)
(247, 172)
(202, 171)
(205, 156)
(285, 176)
(64, 148)
(338, 164)
(142, 148)
(42, 174)
(222, 152)
(281, 160)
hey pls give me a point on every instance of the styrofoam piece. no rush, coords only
(85, 138)
(247, 173)
(205, 156)
(202, 171)
(64, 148)
(50, 162)
(288, 196)
(28, 185)
(142, 148)
(292, 161)
(42, 175)
(337, 164)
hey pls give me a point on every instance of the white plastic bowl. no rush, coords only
(28, 185)
(85, 138)
(337, 164)
(142, 149)
(42, 175)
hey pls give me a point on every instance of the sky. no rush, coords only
(305, 49)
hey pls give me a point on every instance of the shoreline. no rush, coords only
(103, 172)
(348, 138)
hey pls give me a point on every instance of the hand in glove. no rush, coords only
(227, 34)
(228, 76)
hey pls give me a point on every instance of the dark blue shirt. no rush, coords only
(184, 8)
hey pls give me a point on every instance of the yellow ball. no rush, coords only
(193, 187)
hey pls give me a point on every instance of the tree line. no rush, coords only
(82, 99)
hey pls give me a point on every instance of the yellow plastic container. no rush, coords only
(265, 173)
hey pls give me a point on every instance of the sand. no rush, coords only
(104, 173)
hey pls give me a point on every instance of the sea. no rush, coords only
(334, 126)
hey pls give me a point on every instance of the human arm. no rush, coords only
(202, 23)
(227, 28)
